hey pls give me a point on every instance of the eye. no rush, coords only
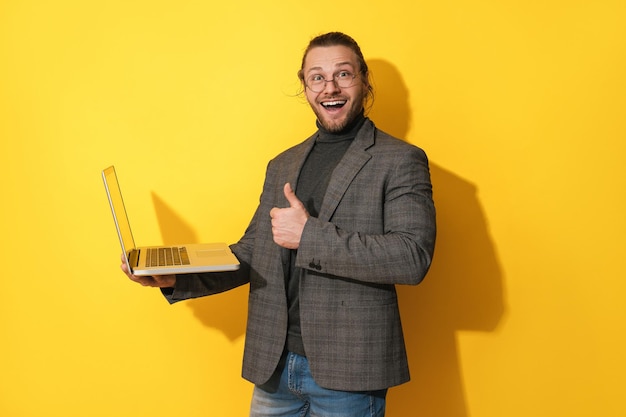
(315, 78)
(344, 75)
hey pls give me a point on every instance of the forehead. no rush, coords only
(329, 57)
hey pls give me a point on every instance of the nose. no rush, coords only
(330, 86)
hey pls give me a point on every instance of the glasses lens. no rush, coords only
(344, 79)
(316, 85)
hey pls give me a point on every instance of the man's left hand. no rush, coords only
(288, 223)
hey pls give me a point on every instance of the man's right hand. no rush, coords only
(160, 281)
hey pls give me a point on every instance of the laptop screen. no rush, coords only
(119, 211)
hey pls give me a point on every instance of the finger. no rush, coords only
(165, 280)
(124, 267)
(129, 274)
(146, 281)
(291, 196)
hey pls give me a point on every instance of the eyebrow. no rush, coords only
(338, 64)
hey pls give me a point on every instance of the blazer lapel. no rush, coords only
(292, 169)
(349, 166)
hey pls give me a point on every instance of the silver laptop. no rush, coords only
(163, 260)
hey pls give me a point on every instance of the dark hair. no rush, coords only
(339, 39)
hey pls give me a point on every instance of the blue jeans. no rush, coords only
(299, 396)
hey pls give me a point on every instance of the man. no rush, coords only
(343, 217)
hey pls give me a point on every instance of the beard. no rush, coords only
(337, 125)
(333, 125)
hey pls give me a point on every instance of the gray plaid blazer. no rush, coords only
(376, 228)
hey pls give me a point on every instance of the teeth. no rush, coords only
(333, 103)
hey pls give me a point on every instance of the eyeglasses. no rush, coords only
(342, 79)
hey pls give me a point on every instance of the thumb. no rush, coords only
(291, 196)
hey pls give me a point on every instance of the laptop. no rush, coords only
(163, 260)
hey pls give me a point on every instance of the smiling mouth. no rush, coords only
(335, 104)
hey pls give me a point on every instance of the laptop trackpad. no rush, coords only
(208, 253)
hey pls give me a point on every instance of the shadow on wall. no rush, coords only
(463, 290)
(226, 311)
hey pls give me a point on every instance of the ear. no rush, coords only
(366, 80)
(301, 78)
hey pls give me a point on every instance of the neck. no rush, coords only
(348, 131)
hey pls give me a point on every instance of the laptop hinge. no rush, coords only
(133, 258)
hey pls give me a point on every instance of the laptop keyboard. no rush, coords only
(167, 256)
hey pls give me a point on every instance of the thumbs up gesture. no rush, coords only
(288, 223)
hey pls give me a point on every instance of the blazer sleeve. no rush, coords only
(383, 230)
(200, 285)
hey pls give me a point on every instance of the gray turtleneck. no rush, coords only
(314, 177)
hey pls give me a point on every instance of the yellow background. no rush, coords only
(519, 104)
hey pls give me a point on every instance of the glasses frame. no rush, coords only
(324, 81)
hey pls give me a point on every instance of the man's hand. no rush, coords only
(288, 223)
(161, 281)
